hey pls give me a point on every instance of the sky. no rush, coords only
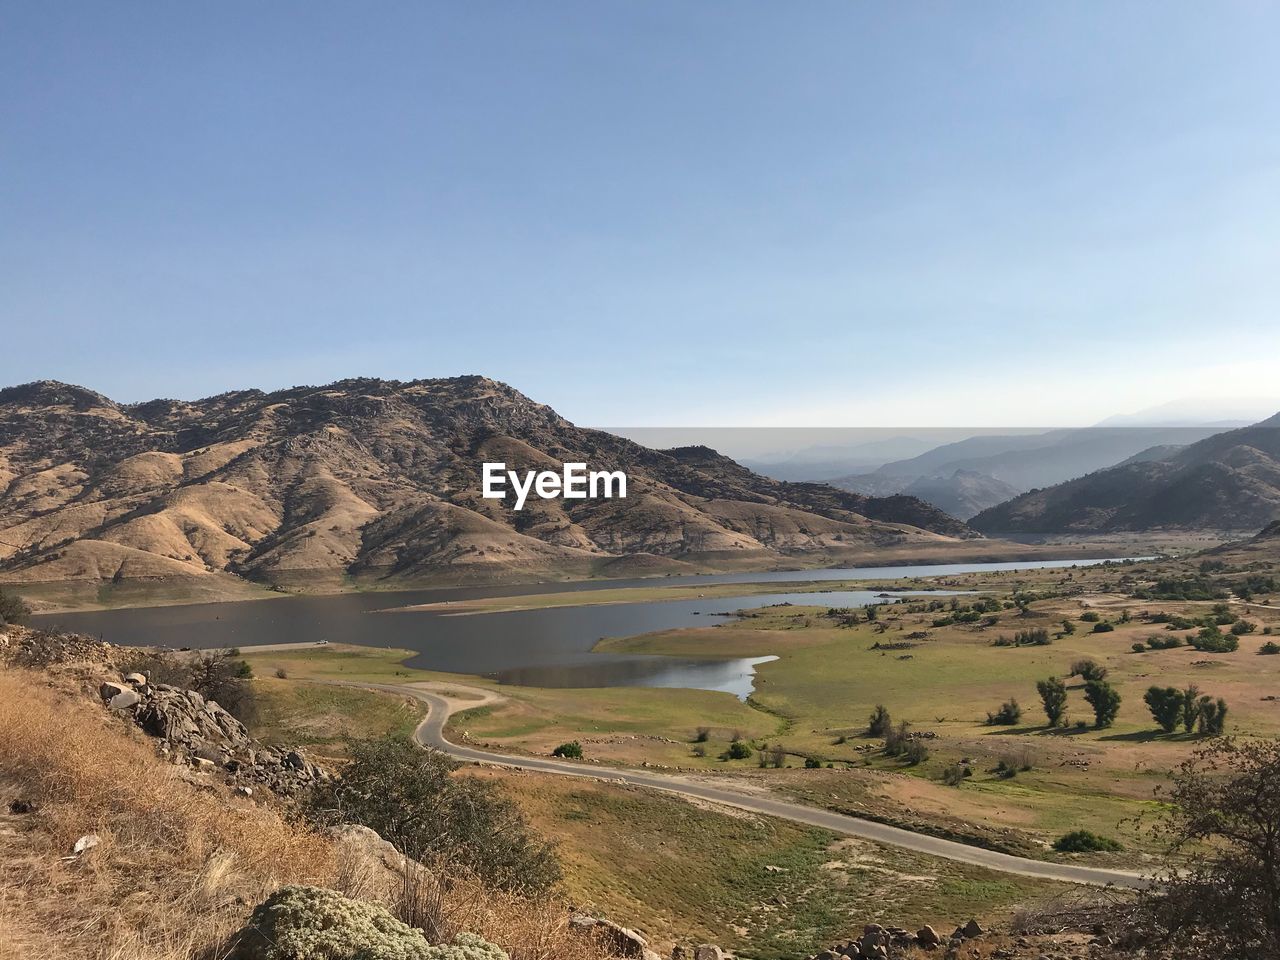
(652, 213)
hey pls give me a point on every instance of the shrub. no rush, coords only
(703, 735)
(881, 722)
(1035, 637)
(297, 922)
(1138, 647)
(1007, 715)
(282, 673)
(1053, 696)
(896, 740)
(1088, 670)
(1212, 640)
(571, 750)
(1089, 616)
(13, 609)
(1269, 648)
(738, 750)
(1241, 627)
(1103, 627)
(223, 677)
(954, 774)
(916, 752)
(812, 764)
(410, 796)
(1084, 841)
(1104, 699)
(1163, 643)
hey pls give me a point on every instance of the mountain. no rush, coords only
(822, 462)
(1230, 480)
(963, 494)
(1024, 461)
(373, 479)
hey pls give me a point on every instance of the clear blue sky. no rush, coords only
(650, 212)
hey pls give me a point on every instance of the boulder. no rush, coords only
(972, 929)
(124, 700)
(109, 690)
(926, 936)
(708, 951)
(137, 679)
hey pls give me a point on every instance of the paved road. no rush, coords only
(431, 733)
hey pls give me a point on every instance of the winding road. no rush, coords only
(430, 733)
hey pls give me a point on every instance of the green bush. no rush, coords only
(1007, 715)
(1090, 616)
(1084, 841)
(738, 750)
(1088, 669)
(1138, 647)
(410, 796)
(13, 609)
(1212, 640)
(311, 923)
(1270, 647)
(571, 750)
(1103, 627)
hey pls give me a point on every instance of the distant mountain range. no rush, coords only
(1229, 481)
(973, 474)
(372, 479)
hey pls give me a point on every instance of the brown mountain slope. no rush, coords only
(378, 480)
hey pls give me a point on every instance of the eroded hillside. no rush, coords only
(378, 480)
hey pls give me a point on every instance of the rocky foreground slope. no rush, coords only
(379, 479)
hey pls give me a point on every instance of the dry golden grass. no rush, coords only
(180, 864)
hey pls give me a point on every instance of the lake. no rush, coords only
(545, 648)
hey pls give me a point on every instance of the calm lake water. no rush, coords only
(544, 648)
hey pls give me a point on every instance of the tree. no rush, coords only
(1212, 716)
(411, 797)
(1223, 821)
(881, 723)
(1190, 707)
(13, 609)
(1104, 699)
(1053, 694)
(1166, 705)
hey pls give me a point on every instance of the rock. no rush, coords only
(244, 791)
(20, 805)
(972, 929)
(928, 937)
(203, 765)
(87, 842)
(708, 951)
(109, 691)
(137, 679)
(124, 700)
(622, 941)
